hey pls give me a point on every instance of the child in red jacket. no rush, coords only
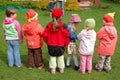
(56, 36)
(33, 32)
(107, 36)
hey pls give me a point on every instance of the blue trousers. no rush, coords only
(13, 53)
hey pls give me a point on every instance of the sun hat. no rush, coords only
(90, 23)
(31, 15)
(109, 17)
(57, 12)
(75, 18)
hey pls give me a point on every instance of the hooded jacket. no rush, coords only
(60, 37)
(33, 32)
(12, 29)
(107, 36)
(87, 41)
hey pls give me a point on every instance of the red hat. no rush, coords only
(57, 12)
(31, 14)
(109, 17)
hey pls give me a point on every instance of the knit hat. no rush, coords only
(31, 15)
(75, 18)
(57, 12)
(109, 17)
(90, 23)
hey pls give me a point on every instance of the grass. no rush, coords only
(23, 73)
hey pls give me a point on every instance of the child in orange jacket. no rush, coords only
(107, 36)
(33, 32)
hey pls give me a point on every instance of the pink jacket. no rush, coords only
(17, 25)
(107, 36)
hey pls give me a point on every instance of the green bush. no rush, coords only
(41, 4)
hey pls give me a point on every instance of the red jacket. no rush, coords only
(33, 32)
(107, 36)
(60, 37)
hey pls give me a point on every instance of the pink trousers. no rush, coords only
(85, 63)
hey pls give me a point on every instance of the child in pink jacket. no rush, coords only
(107, 36)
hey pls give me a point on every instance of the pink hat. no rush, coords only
(109, 17)
(75, 18)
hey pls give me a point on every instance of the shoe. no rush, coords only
(40, 67)
(68, 66)
(30, 67)
(89, 71)
(76, 67)
(20, 65)
(53, 71)
(61, 70)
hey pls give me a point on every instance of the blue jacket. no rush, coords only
(51, 5)
(73, 35)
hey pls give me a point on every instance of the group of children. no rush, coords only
(59, 36)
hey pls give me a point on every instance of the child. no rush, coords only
(72, 48)
(56, 36)
(51, 6)
(60, 4)
(33, 32)
(87, 39)
(107, 36)
(12, 34)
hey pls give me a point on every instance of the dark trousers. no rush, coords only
(35, 56)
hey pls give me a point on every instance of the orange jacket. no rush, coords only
(107, 36)
(33, 32)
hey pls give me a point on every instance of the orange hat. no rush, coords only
(31, 15)
(109, 17)
(57, 13)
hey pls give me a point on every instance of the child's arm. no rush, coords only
(18, 28)
(100, 33)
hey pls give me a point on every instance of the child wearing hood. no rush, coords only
(107, 36)
(56, 36)
(13, 35)
(87, 39)
(33, 32)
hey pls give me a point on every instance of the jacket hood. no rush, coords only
(110, 29)
(8, 20)
(29, 27)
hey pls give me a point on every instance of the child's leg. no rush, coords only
(61, 64)
(30, 58)
(107, 63)
(58, 4)
(52, 62)
(68, 60)
(89, 63)
(75, 60)
(10, 53)
(101, 60)
(62, 6)
(82, 63)
(39, 59)
(17, 53)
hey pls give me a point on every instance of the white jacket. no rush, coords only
(87, 41)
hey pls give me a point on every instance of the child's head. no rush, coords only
(56, 15)
(75, 19)
(11, 12)
(31, 15)
(109, 17)
(89, 23)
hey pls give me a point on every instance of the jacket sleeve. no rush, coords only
(19, 29)
(66, 34)
(46, 34)
(100, 33)
(79, 36)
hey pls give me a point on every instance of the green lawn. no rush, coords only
(23, 73)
